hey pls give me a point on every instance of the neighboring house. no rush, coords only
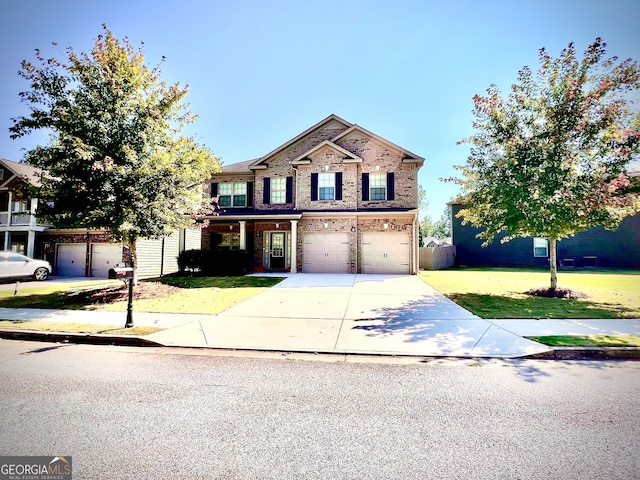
(75, 252)
(18, 223)
(595, 247)
(436, 242)
(334, 199)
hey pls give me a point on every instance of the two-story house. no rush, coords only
(334, 199)
(18, 223)
(77, 252)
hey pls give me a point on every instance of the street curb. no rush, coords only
(85, 338)
(589, 353)
(556, 353)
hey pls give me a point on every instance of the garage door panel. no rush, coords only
(71, 259)
(104, 257)
(326, 253)
(386, 252)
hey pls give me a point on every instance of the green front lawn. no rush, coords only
(71, 327)
(501, 292)
(588, 340)
(206, 295)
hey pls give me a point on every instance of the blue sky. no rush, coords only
(262, 72)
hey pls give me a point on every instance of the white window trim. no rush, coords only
(331, 185)
(233, 195)
(372, 186)
(281, 183)
(539, 243)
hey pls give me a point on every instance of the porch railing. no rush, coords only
(17, 219)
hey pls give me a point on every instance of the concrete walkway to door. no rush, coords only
(346, 313)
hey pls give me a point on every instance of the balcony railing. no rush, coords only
(17, 219)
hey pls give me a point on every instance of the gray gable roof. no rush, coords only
(26, 172)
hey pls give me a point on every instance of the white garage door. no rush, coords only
(70, 259)
(326, 253)
(386, 252)
(103, 257)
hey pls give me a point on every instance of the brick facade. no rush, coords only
(332, 146)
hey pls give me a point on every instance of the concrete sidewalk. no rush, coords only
(347, 314)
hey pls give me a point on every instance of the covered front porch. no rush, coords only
(270, 240)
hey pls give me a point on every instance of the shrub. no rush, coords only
(215, 263)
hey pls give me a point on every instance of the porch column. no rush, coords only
(10, 212)
(31, 240)
(243, 235)
(34, 208)
(294, 246)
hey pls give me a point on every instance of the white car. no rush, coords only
(14, 265)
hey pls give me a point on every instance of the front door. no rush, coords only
(277, 250)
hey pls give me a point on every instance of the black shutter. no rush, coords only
(249, 194)
(314, 187)
(390, 186)
(214, 190)
(289, 192)
(338, 185)
(365, 187)
(266, 192)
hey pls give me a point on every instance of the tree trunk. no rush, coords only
(553, 263)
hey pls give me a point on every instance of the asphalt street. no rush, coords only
(187, 413)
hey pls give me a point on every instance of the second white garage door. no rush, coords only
(71, 259)
(386, 252)
(326, 253)
(103, 257)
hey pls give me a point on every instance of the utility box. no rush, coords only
(120, 273)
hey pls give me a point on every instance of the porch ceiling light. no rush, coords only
(385, 226)
(326, 225)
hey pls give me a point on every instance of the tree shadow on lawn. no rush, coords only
(88, 298)
(497, 306)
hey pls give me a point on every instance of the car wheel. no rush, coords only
(41, 274)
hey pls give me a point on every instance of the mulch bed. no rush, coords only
(557, 293)
(120, 293)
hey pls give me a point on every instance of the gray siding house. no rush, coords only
(595, 247)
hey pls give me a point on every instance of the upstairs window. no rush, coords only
(326, 186)
(231, 194)
(540, 247)
(20, 206)
(278, 190)
(377, 186)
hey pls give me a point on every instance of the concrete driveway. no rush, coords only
(348, 296)
(391, 314)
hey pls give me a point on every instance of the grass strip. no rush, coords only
(588, 340)
(71, 327)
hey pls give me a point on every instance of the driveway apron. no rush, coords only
(345, 313)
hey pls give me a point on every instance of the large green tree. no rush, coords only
(550, 160)
(117, 159)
